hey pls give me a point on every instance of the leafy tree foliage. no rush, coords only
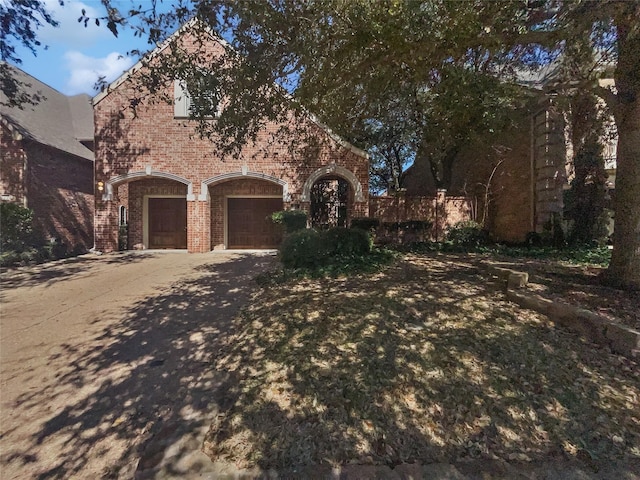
(19, 22)
(17, 227)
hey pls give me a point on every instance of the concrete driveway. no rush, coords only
(103, 357)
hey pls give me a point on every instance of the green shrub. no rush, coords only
(123, 237)
(347, 241)
(9, 258)
(311, 249)
(409, 226)
(33, 255)
(467, 234)
(53, 250)
(17, 227)
(291, 220)
(554, 232)
(533, 239)
(365, 223)
(303, 249)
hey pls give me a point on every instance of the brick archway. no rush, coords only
(241, 207)
(336, 170)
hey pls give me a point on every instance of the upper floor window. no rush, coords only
(197, 96)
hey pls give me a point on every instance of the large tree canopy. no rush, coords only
(442, 67)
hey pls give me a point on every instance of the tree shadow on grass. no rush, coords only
(424, 363)
(148, 374)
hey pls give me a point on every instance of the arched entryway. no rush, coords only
(156, 206)
(333, 195)
(166, 221)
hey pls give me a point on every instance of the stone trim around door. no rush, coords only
(332, 169)
(243, 174)
(147, 173)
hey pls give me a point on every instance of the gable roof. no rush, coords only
(56, 120)
(139, 64)
(162, 46)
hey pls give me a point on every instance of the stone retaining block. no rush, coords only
(513, 278)
(597, 328)
(619, 338)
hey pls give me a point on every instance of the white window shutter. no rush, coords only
(181, 100)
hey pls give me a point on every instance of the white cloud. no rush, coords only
(69, 31)
(86, 70)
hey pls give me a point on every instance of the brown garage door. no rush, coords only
(167, 223)
(249, 225)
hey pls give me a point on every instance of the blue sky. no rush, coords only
(76, 56)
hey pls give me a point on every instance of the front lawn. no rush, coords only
(425, 361)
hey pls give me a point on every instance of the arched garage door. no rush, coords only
(249, 224)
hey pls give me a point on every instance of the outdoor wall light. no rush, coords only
(100, 186)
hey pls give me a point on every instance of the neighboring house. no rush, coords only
(46, 162)
(174, 190)
(497, 181)
(519, 183)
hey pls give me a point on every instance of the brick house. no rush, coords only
(46, 161)
(175, 190)
(533, 169)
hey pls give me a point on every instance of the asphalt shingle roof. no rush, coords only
(58, 121)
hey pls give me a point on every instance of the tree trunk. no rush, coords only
(441, 165)
(624, 269)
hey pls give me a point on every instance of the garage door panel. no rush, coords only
(249, 224)
(167, 223)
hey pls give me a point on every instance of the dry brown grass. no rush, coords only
(423, 362)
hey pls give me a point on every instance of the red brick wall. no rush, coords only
(58, 187)
(60, 192)
(12, 166)
(150, 137)
(442, 211)
(510, 201)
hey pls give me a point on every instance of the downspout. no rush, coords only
(95, 206)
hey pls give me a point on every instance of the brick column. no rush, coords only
(306, 207)
(360, 209)
(198, 226)
(106, 225)
(550, 158)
